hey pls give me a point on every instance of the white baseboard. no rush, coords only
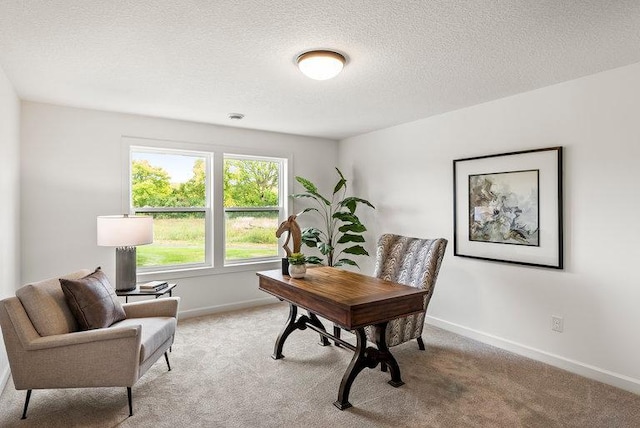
(192, 313)
(615, 379)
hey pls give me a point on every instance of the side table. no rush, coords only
(137, 292)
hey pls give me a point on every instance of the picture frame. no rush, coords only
(508, 207)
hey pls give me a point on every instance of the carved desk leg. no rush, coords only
(336, 333)
(297, 324)
(286, 331)
(358, 362)
(368, 357)
(313, 320)
(385, 357)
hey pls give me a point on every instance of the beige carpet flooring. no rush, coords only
(223, 376)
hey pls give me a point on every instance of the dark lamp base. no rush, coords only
(125, 268)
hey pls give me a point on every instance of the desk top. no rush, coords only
(349, 299)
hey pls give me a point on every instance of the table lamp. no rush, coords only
(125, 232)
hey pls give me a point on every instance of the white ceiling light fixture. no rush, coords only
(321, 65)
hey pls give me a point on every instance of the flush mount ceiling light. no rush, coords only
(236, 116)
(320, 65)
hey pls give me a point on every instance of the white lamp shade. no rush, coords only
(321, 65)
(124, 230)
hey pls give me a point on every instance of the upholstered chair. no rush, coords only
(414, 262)
(47, 347)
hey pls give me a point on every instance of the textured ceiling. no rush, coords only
(199, 60)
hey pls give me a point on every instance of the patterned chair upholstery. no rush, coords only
(414, 262)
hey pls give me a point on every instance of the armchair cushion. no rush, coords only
(92, 301)
(45, 304)
(155, 332)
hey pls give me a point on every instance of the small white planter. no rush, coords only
(297, 271)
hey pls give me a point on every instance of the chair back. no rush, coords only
(46, 305)
(414, 262)
(410, 261)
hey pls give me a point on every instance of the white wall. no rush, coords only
(71, 172)
(9, 200)
(407, 172)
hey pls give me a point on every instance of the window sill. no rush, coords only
(207, 271)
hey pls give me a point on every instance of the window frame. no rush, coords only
(280, 208)
(206, 209)
(215, 232)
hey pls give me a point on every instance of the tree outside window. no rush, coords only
(174, 188)
(253, 205)
(171, 187)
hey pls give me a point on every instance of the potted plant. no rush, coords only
(297, 265)
(341, 226)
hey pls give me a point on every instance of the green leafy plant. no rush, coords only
(297, 259)
(341, 226)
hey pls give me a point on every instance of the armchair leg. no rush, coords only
(166, 357)
(130, 401)
(26, 404)
(420, 343)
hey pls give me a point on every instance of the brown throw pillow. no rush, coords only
(92, 301)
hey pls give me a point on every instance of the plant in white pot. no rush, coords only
(297, 265)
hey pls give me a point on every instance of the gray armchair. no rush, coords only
(414, 262)
(47, 351)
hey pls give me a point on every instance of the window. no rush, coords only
(210, 208)
(253, 207)
(173, 188)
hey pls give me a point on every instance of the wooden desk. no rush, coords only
(352, 301)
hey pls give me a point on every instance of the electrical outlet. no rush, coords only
(557, 323)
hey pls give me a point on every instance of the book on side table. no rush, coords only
(153, 286)
(156, 288)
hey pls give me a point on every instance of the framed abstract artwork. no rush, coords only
(508, 207)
